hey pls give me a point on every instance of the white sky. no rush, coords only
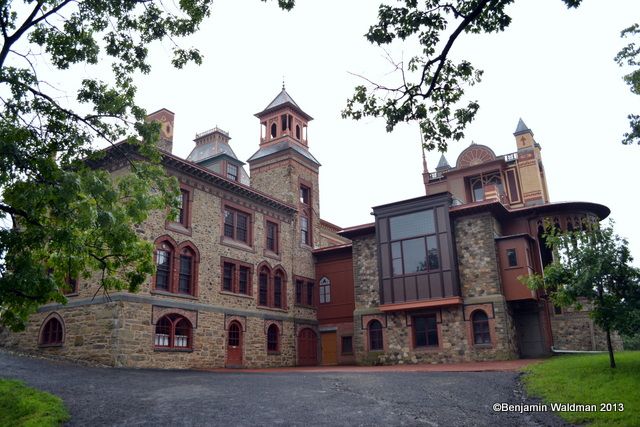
(553, 67)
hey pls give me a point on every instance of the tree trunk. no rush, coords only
(612, 361)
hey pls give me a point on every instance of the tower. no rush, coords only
(284, 168)
(165, 118)
(532, 178)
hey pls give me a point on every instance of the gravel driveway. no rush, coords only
(107, 396)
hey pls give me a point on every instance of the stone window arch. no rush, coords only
(376, 342)
(173, 331)
(52, 331)
(480, 325)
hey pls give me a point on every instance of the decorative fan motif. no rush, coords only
(475, 155)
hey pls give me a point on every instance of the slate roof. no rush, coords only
(522, 128)
(281, 146)
(283, 100)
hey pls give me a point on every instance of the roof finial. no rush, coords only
(283, 82)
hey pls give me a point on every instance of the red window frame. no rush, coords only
(272, 287)
(173, 332)
(231, 175)
(236, 225)
(237, 275)
(480, 323)
(179, 274)
(271, 237)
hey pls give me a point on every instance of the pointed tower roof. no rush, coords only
(443, 164)
(522, 128)
(283, 100)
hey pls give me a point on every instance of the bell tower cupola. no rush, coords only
(283, 118)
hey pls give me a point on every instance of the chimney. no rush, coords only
(165, 118)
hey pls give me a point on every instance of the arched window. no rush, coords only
(278, 289)
(272, 339)
(480, 327)
(185, 277)
(297, 131)
(375, 336)
(173, 331)
(274, 130)
(52, 332)
(325, 290)
(263, 286)
(234, 335)
(164, 257)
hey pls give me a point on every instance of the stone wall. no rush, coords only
(477, 258)
(575, 330)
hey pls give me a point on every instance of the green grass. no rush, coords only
(24, 406)
(587, 379)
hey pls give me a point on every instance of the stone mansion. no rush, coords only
(250, 275)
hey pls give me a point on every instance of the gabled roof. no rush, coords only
(283, 100)
(521, 128)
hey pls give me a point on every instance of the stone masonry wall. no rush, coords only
(575, 330)
(477, 259)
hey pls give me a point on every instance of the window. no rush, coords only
(299, 285)
(52, 332)
(325, 290)
(163, 267)
(297, 132)
(232, 172)
(309, 293)
(272, 288)
(478, 183)
(304, 230)
(425, 331)
(375, 336)
(174, 332)
(304, 194)
(183, 207)
(512, 258)
(272, 339)
(176, 269)
(480, 327)
(263, 283)
(274, 130)
(272, 237)
(414, 244)
(234, 335)
(236, 277)
(277, 289)
(347, 345)
(236, 225)
(304, 291)
(185, 277)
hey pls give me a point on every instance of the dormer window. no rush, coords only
(232, 172)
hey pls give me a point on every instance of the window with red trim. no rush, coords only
(52, 332)
(263, 287)
(183, 208)
(232, 172)
(299, 285)
(480, 323)
(305, 237)
(273, 335)
(236, 225)
(272, 237)
(176, 272)
(173, 332)
(375, 336)
(236, 277)
(304, 291)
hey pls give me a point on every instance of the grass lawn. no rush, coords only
(587, 379)
(24, 406)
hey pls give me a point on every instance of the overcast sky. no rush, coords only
(553, 67)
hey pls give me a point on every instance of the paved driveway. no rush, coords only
(104, 396)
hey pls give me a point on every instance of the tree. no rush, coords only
(432, 86)
(62, 218)
(593, 266)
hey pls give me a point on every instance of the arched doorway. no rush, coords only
(307, 348)
(234, 345)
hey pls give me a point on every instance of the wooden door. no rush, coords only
(530, 339)
(329, 348)
(307, 348)
(234, 346)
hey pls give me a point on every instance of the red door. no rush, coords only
(307, 348)
(234, 346)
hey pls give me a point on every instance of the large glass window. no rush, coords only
(325, 290)
(414, 246)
